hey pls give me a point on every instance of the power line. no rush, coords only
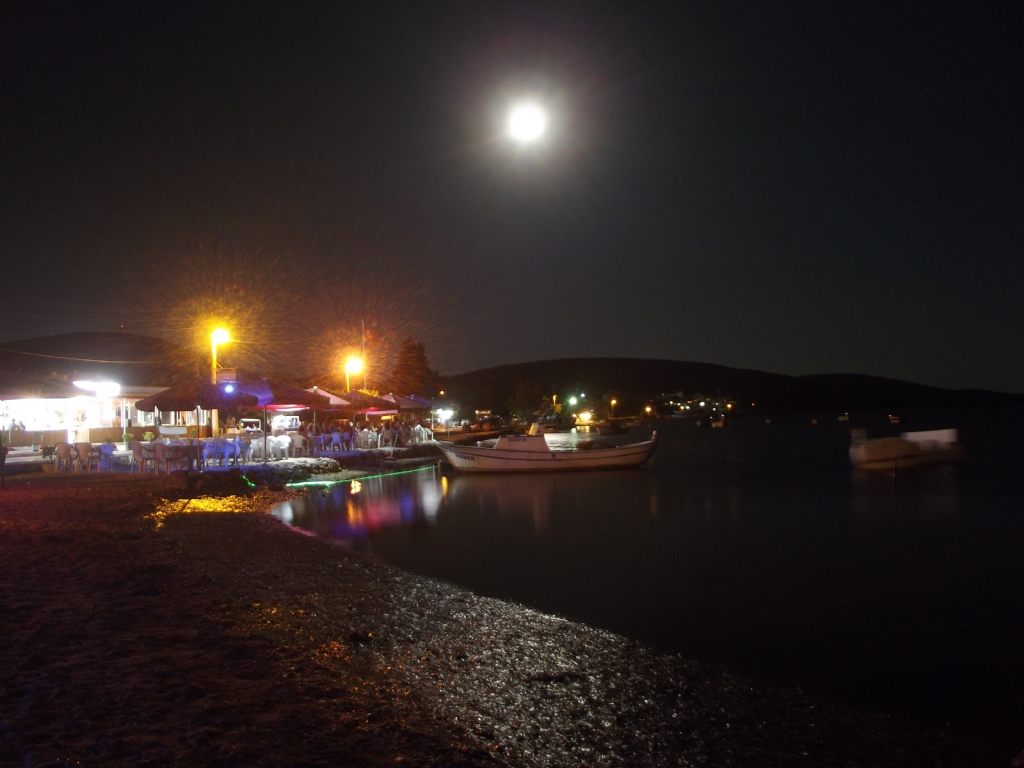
(80, 359)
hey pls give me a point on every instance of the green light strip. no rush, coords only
(325, 483)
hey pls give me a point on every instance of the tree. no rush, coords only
(412, 374)
(529, 400)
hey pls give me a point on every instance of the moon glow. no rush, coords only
(527, 122)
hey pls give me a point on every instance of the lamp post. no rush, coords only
(219, 336)
(352, 365)
(614, 401)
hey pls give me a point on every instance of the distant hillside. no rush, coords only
(633, 381)
(126, 358)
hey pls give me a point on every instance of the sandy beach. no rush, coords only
(144, 627)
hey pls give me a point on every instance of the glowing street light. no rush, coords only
(572, 400)
(614, 401)
(527, 122)
(352, 365)
(219, 336)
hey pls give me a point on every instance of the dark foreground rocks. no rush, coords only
(138, 632)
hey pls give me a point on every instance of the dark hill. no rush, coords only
(127, 358)
(634, 381)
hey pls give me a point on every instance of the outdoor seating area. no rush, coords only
(386, 436)
(164, 454)
(260, 421)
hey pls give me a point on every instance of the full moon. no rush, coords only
(526, 122)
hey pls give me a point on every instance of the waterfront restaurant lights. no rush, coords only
(102, 405)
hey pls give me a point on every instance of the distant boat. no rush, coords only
(911, 449)
(611, 428)
(531, 453)
(894, 419)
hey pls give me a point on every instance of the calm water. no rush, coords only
(757, 546)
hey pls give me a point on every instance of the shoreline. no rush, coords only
(199, 635)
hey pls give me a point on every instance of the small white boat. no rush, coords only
(531, 453)
(910, 449)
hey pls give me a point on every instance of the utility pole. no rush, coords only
(362, 326)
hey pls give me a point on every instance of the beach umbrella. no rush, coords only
(364, 401)
(335, 400)
(337, 403)
(405, 403)
(272, 394)
(197, 394)
(427, 405)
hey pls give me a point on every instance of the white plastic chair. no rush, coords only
(256, 449)
(277, 447)
(217, 448)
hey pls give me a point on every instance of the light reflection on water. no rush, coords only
(755, 545)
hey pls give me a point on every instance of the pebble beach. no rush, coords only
(142, 626)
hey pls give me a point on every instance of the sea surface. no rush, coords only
(756, 546)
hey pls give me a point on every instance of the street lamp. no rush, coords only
(614, 401)
(352, 365)
(219, 336)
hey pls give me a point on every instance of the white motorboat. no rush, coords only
(911, 449)
(531, 453)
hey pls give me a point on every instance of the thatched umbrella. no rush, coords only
(197, 394)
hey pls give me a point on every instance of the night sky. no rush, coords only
(800, 187)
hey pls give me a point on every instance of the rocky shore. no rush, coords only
(144, 626)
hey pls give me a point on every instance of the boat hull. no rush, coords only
(907, 460)
(476, 459)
